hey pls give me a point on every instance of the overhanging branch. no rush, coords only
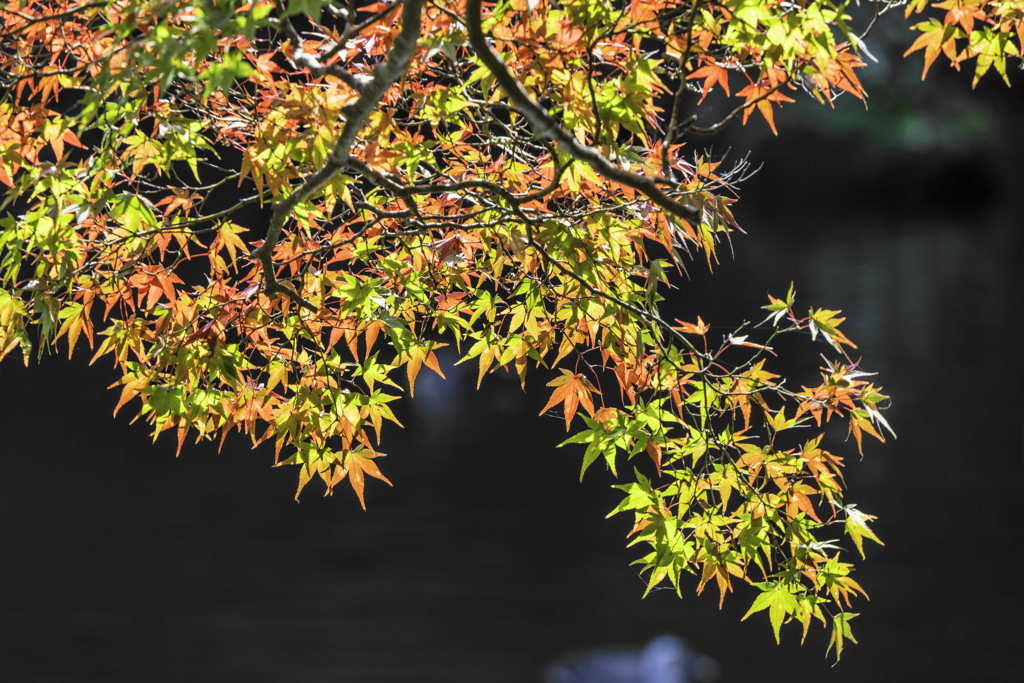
(545, 127)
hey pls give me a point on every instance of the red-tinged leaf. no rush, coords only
(936, 37)
(654, 451)
(228, 238)
(961, 12)
(861, 422)
(69, 137)
(130, 390)
(711, 73)
(839, 72)
(419, 356)
(571, 390)
(46, 88)
(799, 499)
(76, 320)
(718, 569)
(357, 464)
(370, 334)
(763, 93)
(700, 327)
(178, 199)
(182, 432)
(153, 283)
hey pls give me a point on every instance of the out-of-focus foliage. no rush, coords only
(987, 32)
(270, 215)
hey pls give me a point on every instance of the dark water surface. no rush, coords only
(487, 560)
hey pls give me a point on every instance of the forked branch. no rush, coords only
(384, 75)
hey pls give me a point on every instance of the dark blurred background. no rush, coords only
(488, 560)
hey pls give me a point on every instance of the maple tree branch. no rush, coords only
(546, 127)
(513, 199)
(677, 101)
(384, 75)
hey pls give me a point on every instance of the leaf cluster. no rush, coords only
(987, 32)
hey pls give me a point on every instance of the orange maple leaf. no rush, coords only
(180, 199)
(940, 38)
(358, 464)
(763, 93)
(700, 327)
(571, 390)
(961, 13)
(712, 73)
